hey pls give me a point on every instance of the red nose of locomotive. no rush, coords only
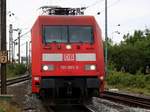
(69, 53)
(69, 60)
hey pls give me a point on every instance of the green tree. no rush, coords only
(133, 53)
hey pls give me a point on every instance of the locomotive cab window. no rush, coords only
(80, 34)
(55, 34)
(68, 34)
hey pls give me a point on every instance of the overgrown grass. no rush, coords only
(15, 70)
(125, 81)
(8, 107)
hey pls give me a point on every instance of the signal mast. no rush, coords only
(57, 10)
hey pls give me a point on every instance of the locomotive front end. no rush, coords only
(69, 57)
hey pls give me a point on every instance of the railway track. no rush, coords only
(66, 107)
(129, 100)
(77, 108)
(69, 108)
(17, 80)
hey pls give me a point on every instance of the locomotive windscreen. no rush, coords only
(68, 34)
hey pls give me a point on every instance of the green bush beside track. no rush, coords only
(125, 81)
(15, 70)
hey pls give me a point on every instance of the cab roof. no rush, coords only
(65, 20)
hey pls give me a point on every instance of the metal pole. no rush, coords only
(29, 63)
(3, 44)
(27, 53)
(106, 40)
(10, 43)
(19, 46)
(14, 51)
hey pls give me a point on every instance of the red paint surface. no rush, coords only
(78, 70)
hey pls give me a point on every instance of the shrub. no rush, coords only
(128, 80)
(20, 69)
(113, 79)
(8, 107)
(15, 69)
(147, 79)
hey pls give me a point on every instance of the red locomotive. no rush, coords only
(67, 56)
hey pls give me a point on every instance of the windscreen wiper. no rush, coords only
(54, 41)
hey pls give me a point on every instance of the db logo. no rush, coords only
(69, 57)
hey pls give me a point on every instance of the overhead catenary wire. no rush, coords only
(23, 44)
(111, 5)
(26, 38)
(98, 1)
(23, 35)
(93, 4)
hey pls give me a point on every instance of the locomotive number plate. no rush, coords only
(69, 67)
(3, 57)
(69, 57)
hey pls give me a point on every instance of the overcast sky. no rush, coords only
(130, 14)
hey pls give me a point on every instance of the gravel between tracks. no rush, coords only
(108, 106)
(29, 103)
(24, 99)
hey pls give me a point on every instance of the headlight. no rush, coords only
(93, 67)
(68, 46)
(45, 67)
(48, 67)
(90, 67)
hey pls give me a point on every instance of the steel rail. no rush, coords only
(78, 107)
(90, 108)
(130, 100)
(17, 80)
